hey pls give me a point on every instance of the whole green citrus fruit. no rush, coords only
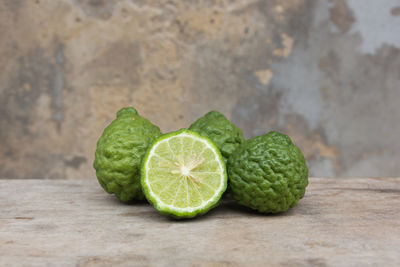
(220, 130)
(119, 153)
(268, 173)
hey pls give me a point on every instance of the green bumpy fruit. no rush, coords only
(268, 173)
(220, 130)
(120, 151)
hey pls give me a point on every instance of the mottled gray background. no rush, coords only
(325, 72)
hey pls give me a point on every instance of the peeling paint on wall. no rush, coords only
(264, 76)
(324, 72)
(373, 20)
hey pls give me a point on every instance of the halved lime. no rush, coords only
(183, 174)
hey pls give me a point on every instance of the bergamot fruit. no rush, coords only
(183, 174)
(120, 151)
(220, 130)
(268, 173)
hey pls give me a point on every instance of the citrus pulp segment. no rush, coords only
(183, 174)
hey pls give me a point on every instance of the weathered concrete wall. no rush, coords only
(325, 72)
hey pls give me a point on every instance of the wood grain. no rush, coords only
(340, 222)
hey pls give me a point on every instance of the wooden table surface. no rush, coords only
(340, 222)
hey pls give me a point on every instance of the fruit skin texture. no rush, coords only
(167, 211)
(268, 173)
(220, 130)
(120, 151)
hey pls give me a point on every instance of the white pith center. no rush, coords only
(185, 170)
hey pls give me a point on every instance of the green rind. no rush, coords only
(226, 136)
(119, 153)
(173, 213)
(268, 173)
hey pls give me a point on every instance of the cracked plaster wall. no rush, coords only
(325, 72)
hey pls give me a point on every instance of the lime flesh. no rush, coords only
(183, 174)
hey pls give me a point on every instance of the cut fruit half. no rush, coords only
(183, 174)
